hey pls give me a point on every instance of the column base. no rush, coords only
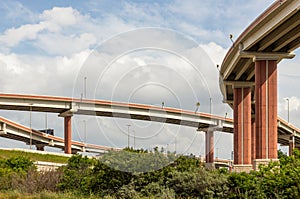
(210, 166)
(239, 168)
(263, 162)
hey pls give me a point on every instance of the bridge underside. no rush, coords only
(248, 80)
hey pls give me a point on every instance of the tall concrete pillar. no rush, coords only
(266, 109)
(68, 134)
(291, 145)
(209, 146)
(242, 127)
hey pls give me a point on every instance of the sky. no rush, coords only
(145, 52)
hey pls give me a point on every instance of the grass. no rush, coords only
(43, 195)
(5, 154)
(54, 195)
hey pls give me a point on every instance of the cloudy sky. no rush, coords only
(145, 52)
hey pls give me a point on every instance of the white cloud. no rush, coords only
(13, 36)
(16, 12)
(62, 16)
(40, 75)
(57, 44)
(215, 52)
(48, 31)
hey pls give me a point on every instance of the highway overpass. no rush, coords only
(66, 107)
(248, 81)
(15, 131)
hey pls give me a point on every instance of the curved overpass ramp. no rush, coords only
(15, 131)
(68, 106)
(273, 35)
(248, 81)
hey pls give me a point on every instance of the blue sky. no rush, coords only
(46, 47)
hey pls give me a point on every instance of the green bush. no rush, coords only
(36, 182)
(16, 164)
(13, 169)
(127, 192)
(198, 183)
(275, 180)
(185, 177)
(137, 161)
(158, 191)
(107, 180)
(77, 175)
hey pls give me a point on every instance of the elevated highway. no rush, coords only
(66, 107)
(272, 36)
(248, 81)
(15, 131)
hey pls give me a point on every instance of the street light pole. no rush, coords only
(133, 139)
(46, 121)
(30, 121)
(128, 125)
(210, 102)
(85, 87)
(84, 130)
(288, 101)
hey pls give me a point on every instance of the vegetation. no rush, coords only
(5, 154)
(140, 174)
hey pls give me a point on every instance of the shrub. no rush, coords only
(35, 182)
(127, 192)
(17, 164)
(198, 183)
(77, 175)
(13, 169)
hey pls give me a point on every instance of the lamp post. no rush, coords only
(210, 102)
(85, 87)
(84, 131)
(133, 139)
(128, 125)
(288, 101)
(30, 121)
(175, 145)
(46, 121)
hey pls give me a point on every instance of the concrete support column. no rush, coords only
(209, 146)
(68, 134)
(253, 140)
(266, 109)
(242, 126)
(291, 145)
